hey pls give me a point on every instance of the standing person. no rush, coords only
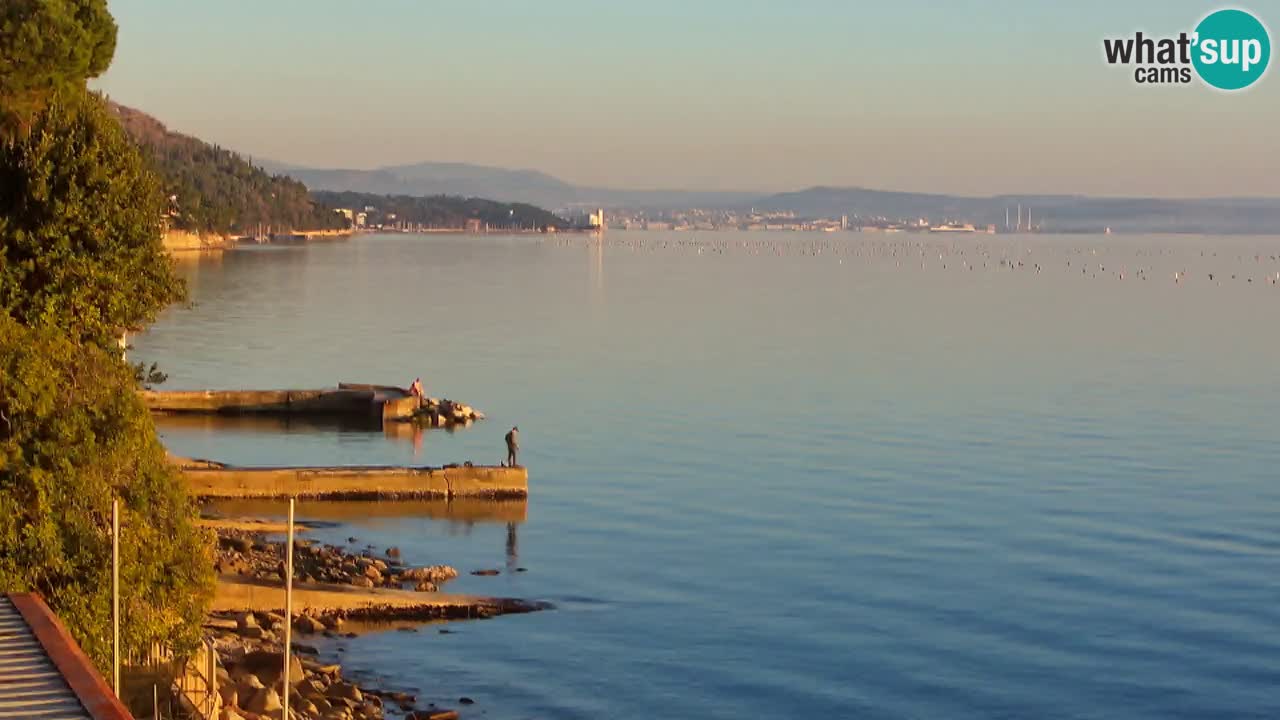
(513, 446)
(415, 391)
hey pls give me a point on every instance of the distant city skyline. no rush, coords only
(966, 98)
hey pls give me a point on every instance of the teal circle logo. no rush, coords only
(1232, 49)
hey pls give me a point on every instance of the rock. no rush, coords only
(268, 666)
(373, 573)
(426, 586)
(220, 623)
(489, 571)
(236, 544)
(308, 624)
(329, 671)
(228, 693)
(265, 700)
(253, 633)
(464, 700)
(362, 581)
(246, 619)
(382, 566)
(433, 573)
(333, 622)
(393, 552)
(229, 714)
(433, 714)
(274, 619)
(306, 649)
(344, 691)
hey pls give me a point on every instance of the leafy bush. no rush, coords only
(73, 435)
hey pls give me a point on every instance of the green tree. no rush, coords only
(73, 435)
(80, 225)
(47, 46)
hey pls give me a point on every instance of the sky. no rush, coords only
(967, 97)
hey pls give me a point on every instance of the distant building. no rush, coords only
(347, 213)
(361, 219)
(596, 219)
(473, 225)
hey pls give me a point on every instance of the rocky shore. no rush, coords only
(334, 588)
(435, 412)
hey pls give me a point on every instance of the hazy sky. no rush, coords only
(966, 97)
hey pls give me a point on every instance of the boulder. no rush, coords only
(432, 573)
(268, 666)
(362, 581)
(235, 544)
(230, 697)
(308, 624)
(426, 586)
(229, 714)
(373, 573)
(345, 691)
(265, 700)
(433, 714)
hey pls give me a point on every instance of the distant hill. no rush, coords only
(440, 211)
(215, 190)
(1051, 212)
(527, 186)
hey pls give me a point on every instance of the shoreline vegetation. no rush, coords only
(97, 199)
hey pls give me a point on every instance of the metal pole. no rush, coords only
(288, 613)
(213, 677)
(115, 596)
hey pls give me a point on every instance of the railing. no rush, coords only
(160, 685)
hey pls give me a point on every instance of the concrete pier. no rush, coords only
(384, 403)
(214, 480)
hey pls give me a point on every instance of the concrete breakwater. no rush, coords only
(384, 403)
(355, 400)
(214, 480)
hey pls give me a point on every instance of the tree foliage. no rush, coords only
(213, 189)
(442, 211)
(73, 435)
(47, 46)
(81, 260)
(80, 224)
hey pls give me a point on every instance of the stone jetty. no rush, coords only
(385, 404)
(215, 480)
(359, 400)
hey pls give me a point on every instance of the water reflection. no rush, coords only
(460, 511)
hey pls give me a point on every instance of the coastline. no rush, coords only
(342, 594)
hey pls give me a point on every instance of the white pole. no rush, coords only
(288, 613)
(115, 596)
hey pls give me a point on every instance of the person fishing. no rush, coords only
(513, 446)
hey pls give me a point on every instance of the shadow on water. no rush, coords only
(267, 423)
(457, 510)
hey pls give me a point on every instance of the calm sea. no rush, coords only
(797, 476)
